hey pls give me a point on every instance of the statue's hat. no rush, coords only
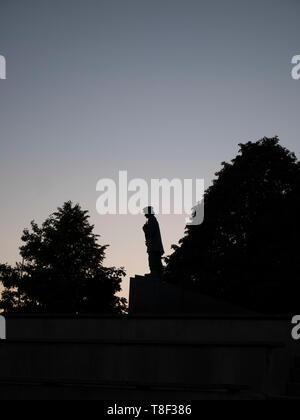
(149, 210)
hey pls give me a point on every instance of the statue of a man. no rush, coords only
(154, 244)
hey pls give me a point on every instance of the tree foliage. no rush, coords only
(246, 251)
(62, 269)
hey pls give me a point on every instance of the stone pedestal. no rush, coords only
(149, 295)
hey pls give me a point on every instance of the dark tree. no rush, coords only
(62, 270)
(247, 249)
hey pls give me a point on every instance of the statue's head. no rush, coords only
(148, 212)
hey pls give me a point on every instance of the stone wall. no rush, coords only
(146, 353)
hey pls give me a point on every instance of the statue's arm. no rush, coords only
(152, 229)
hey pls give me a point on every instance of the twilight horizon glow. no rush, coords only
(164, 88)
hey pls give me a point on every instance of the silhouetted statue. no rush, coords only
(154, 244)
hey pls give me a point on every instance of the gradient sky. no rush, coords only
(160, 88)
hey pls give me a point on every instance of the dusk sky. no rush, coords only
(160, 88)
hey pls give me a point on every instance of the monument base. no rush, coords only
(149, 295)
